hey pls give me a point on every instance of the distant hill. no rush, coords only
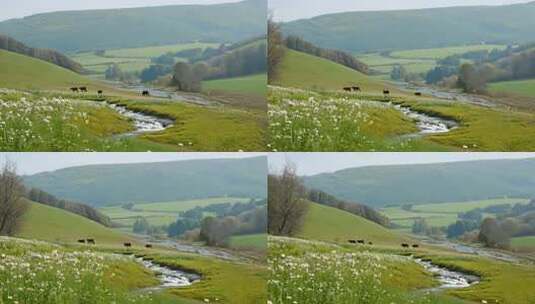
(136, 27)
(430, 183)
(55, 57)
(100, 185)
(52, 224)
(24, 72)
(331, 224)
(300, 70)
(416, 29)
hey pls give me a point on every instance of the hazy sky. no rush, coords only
(314, 163)
(21, 8)
(287, 10)
(31, 163)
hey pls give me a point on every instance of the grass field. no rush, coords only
(523, 243)
(56, 225)
(442, 214)
(255, 85)
(517, 87)
(334, 225)
(250, 241)
(163, 213)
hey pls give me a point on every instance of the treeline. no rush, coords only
(364, 211)
(340, 57)
(511, 220)
(488, 66)
(42, 197)
(52, 56)
(213, 224)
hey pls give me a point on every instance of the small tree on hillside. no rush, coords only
(12, 204)
(287, 206)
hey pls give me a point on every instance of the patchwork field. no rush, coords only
(440, 215)
(161, 213)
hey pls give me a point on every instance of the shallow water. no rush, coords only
(143, 123)
(448, 279)
(168, 277)
(426, 123)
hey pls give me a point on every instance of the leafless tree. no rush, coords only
(276, 48)
(12, 204)
(287, 205)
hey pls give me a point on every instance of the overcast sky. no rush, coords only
(21, 8)
(287, 10)
(31, 163)
(315, 163)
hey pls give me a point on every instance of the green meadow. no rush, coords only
(249, 241)
(524, 88)
(254, 85)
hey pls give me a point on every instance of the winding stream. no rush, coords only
(448, 279)
(169, 278)
(143, 123)
(427, 124)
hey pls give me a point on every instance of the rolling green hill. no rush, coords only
(430, 183)
(136, 27)
(516, 87)
(331, 224)
(56, 225)
(414, 29)
(23, 72)
(300, 70)
(156, 182)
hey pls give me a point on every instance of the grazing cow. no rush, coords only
(91, 241)
(81, 241)
(74, 90)
(360, 241)
(418, 94)
(352, 241)
(405, 245)
(356, 89)
(348, 89)
(370, 243)
(100, 92)
(415, 246)
(83, 89)
(145, 93)
(127, 245)
(148, 246)
(386, 92)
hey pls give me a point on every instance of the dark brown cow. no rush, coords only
(418, 94)
(81, 241)
(356, 89)
(348, 89)
(386, 92)
(148, 246)
(145, 93)
(370, 243)
(74, 90)
(127, 245)
(405, 245)
(100, 92)
(352, 241)
(91, 241)
(360, 241)
(415, 246)
(83, 89)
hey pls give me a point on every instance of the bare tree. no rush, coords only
(276, 48)
(287, 206)
(12, 204)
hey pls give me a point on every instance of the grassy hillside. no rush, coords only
(430, 183)
(516, 87)
(56, 225)
(137, 27)
(424, 28)
(300, 70)
(23, 72)
(161, 182)
(255, 84)
(331, 224)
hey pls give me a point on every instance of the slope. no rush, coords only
(27, 73)
(300, 70)
(331, 224)
(430, 183)
(52, 224)
(156, 182)
(136, 27)
(415, 29)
